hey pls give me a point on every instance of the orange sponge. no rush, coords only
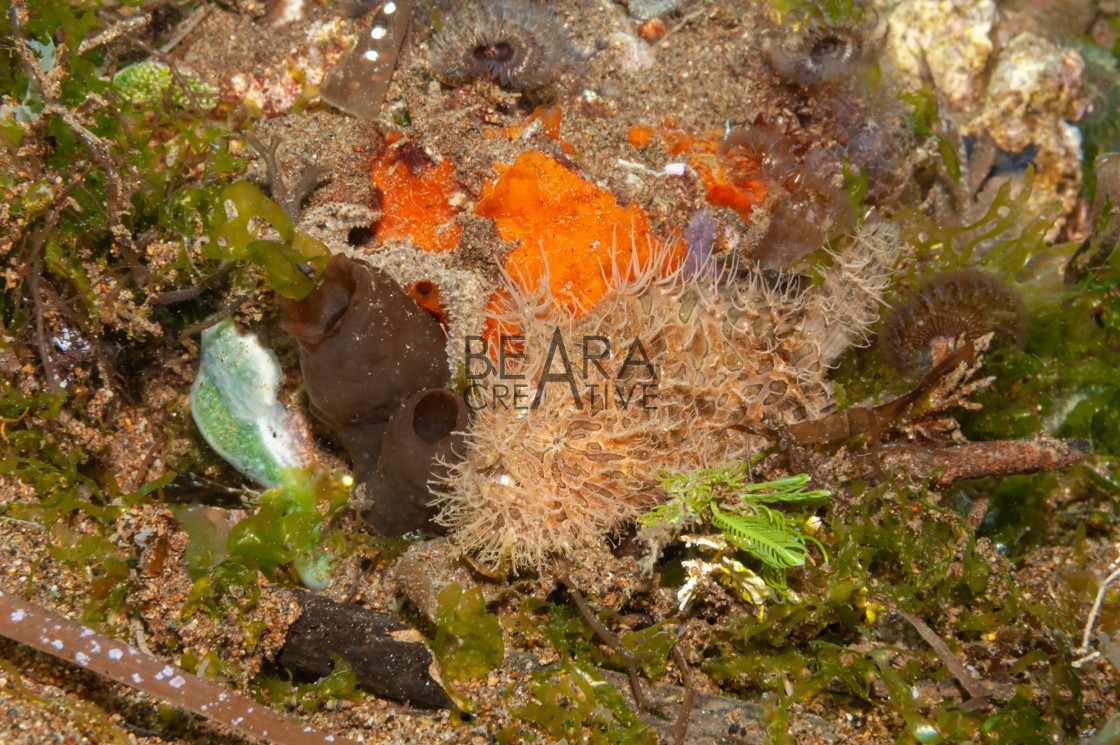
(568, 229)
(416, 198)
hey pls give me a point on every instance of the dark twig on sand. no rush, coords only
(975, 688)
(188, 293)
(611, 640)
(289, 199)
(680, 729)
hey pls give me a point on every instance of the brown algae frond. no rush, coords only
(360, 80)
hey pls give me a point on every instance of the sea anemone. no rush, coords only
(947, 306)
(519, 44)
(667, 373)
(824, 40)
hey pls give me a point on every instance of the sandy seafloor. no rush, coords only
(707, 72)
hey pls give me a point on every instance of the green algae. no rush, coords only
(899, 549)
(234, 404)
(575, 704)
(288, 528)
(151, 82)
(340, 684)
(293, 264)
(468, 642)
(745, 520)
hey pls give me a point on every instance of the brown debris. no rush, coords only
(974, 460)
(163, 588)
(611, 640)
(389, 658)
(69, 640)
(872, 421)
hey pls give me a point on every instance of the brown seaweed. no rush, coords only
(360, 80)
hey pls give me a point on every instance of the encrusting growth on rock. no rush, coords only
(671, 371)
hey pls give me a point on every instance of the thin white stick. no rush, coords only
(1096, 609)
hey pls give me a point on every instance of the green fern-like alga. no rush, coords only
(727, 499)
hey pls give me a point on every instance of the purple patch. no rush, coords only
(699, 237)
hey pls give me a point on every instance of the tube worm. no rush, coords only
(828, 40)
(519, 44)
(963, 302)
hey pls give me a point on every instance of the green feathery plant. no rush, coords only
(726, 498)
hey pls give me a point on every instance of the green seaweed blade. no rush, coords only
(234, 405)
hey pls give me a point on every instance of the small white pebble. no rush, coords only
(115, 654)
(176, 682)
(390, 8)
(378, 32)
(674, 169)
(136, 678)
(18, 615)
(82, 658)
(372, 55)
(237, 721)
(94, 646)
(57, 644)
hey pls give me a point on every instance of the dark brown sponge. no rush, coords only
(968, 302)
(421, 439)
(365, 347)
